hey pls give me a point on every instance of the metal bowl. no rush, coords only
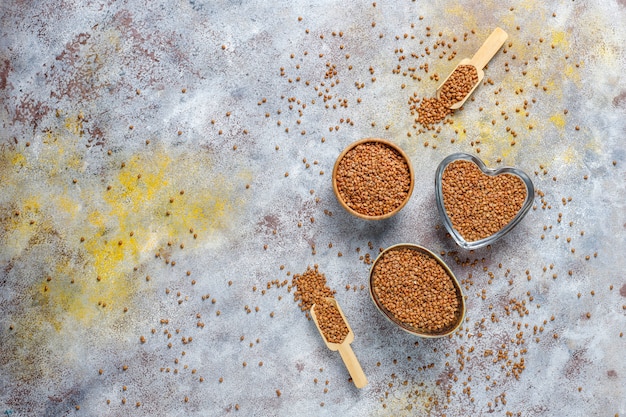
(530, 195)
(460, 314)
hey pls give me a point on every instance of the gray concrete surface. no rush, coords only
(200, 115)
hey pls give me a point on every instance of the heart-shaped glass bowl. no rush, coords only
(460, 311)
(456, 235)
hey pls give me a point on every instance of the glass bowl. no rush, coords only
(460, 314)
(390, 145)
(530, 194)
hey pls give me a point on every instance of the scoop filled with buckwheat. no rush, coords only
(338, 335)
(462, 81)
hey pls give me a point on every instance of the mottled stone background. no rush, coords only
(165, 169)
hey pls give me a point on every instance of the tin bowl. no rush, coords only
(447, 222)
(460, 313)
(357, 213)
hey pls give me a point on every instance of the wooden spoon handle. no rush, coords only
(489, 48)
(353, 365)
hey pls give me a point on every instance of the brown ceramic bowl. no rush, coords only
(460, 314)
(363, 215)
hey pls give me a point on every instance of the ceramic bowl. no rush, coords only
(351, 210)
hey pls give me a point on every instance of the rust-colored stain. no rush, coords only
(5, 70)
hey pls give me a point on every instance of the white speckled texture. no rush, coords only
(134, 95)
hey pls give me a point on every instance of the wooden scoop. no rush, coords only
(479, 60)
(348, 356)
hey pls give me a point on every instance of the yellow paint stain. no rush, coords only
(572, 73)
(469, 20)
(62, 150)
(559, 39)
(19, 208)
(153, 198)
(11, 161)
(554, 87)
(60, 311)
(594, 144)
(66, 204)
(16, 236)
(32, 203)
(113, 37)
(495, 142)
(74, 124)
(107, 257)
(528, 5)
(18, 159)
(558, 120)
(570, 156)
(74, 295)
(61, 298)
(145, 200)
(534, 74)
(115, 287)
(96, 218)
(49, 137)
(508, 22)
(30, 182)
(142, 189)
(462, 130)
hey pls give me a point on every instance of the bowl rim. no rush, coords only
(530, 196)
(389, 316)
(391, 145)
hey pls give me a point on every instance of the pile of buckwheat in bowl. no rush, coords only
(373, 179)
(417, 291)
(478, 205)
